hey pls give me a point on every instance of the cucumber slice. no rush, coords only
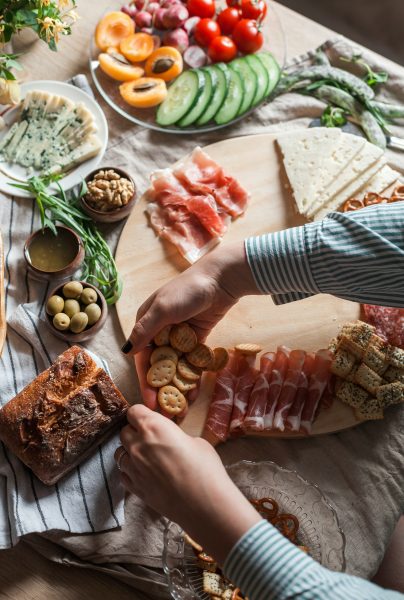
(249, 79)
(202, 102)
(220, 76)
(232, 102)
(182, 94)
(262, 77)
(273, 70)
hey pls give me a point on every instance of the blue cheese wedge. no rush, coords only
(53, 134)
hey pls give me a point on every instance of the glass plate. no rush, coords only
(109, 88)
(319, 527)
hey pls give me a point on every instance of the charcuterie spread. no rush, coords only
(192, 204)
(215, 584)
(326, 167)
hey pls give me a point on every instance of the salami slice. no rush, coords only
(388, 321)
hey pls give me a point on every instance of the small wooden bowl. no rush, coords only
(61, 274)
(111, 216)
(69, 336)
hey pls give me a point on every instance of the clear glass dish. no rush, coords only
(319, 527)
(109, 89)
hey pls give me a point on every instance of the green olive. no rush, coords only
(72, 289)
(78, 322)
(55, 305)
(93, 311)
(61, 321)
(88, 296)
(71, 307)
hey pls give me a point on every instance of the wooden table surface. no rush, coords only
(25, 575)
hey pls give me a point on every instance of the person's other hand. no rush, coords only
(183, 478)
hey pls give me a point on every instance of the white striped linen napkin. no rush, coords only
(90, 498)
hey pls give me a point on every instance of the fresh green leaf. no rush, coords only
(333, 116)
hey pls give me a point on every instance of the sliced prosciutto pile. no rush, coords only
(388, 321)
(192, 204)
(287, 392)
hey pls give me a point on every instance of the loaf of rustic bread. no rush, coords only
(61, 416)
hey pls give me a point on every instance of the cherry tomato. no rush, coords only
(253, 9)
(247, 36)
(232, 3)
(228, 19)
(201, 8)
(222, 49)
(205, 31)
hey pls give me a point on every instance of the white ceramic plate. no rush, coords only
(75, 176)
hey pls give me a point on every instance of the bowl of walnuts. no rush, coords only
(110, 195)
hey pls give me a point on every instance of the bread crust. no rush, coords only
(62, 415)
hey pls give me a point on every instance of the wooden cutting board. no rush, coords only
(3, 324)
(145, 263)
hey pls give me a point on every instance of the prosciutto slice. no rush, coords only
(254, 419)
(317, 384)
(221, 406)
(294, 415)
(246, 376)
(275, 384)
(289, 388)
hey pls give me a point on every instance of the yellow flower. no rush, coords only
(72, 15)
(45, 2)
(52, 28)
(64, 3)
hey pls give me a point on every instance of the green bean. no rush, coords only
(389, 111)
(372, 129)
(352, 83)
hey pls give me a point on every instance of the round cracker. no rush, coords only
(171, 400)
(162, 352)
(161, 373)
(220, 359)
(183, 337)
(249, 349)
(184, 385)
(163, 336)
(188, 371)
(200, 356)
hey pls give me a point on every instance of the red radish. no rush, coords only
(152, 7)
(129, 9)
(175, 16)
(148, 30)
(158, 18)
(190, 24)
(168, 3)
(143, 19)
(177, 38)
(195, 57)
(140, 4)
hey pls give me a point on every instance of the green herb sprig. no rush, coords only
(99, 266)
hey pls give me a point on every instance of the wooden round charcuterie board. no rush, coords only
(145, 263)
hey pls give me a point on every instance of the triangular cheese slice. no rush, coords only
(380, 182)
(361, 163)
(303, 152)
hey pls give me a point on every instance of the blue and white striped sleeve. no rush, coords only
(265, 566)
(357, 255)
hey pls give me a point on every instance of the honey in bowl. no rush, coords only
(51, 253)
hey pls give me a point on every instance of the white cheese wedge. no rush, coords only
(333, 164)
(303, 151)
(383, 179)
(361, 163)
(350, 190)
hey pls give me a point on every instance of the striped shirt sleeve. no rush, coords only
(266, 566)
(357, 255)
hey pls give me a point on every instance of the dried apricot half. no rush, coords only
(137, 47)
(144, 92)
(114, 64)
(112, 29)
(165, 63)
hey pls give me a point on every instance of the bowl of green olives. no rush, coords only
(75, 311)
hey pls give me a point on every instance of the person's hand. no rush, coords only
(183, 479)
(201, 295)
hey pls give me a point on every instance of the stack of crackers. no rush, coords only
(370, 372)
(177, 363)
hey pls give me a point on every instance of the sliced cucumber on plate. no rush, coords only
(220, 82)
(262, 77)
(249, 79)
(273, 70)
(232, 102)
(202, 102)
(182, 94)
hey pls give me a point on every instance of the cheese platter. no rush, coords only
(28, 142)
(310, 323)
